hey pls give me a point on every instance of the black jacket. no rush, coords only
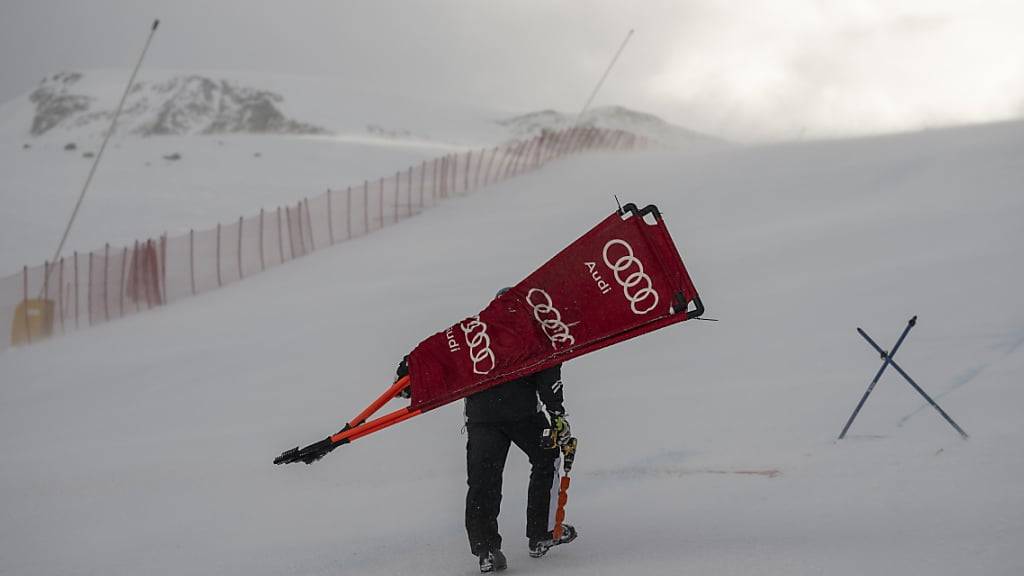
(514, 400)
(518, 399)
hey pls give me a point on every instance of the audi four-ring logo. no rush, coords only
(549, 317)
(479, 345)
(637, 285)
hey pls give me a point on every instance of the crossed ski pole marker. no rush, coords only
(887, 360)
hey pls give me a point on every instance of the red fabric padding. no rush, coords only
(617, 281)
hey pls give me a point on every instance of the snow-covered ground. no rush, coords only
(139, 192)
(144, 446)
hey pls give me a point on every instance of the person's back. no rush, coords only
(513, 400)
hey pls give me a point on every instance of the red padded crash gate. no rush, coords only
(621, 279)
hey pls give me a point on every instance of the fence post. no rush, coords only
(60, 295)
(106, 283)
(423, 177)
(46, 279)
(163, 270)
(451, 176)
(146, 273)
(490, 161)
(263, 262)
(149, 249)
(556, 145)
(398, 186)
(240, 221)
(433, 184)
(142, 273)
(219, 282)
(476, 174)
(506, 154)
(455, 173)
(288, 223)
(76, 290)
(88, 290)
(380, 194)
(309, 226)
(408, 189)
(348, 213)
(366, 207)
(446, 171)
(523, 153)
(443, 167)
(454, 182)
(510, 169)
(469, 161)
(302, 229)
(138, 276)
(524, 160)
(302, 233)
(192, 258)
(330, 219)
(507, 162)
(124, 267)
(280, 236)
(570, 141)
(24, 303)
(578, 140)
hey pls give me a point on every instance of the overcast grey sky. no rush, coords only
(746, 70)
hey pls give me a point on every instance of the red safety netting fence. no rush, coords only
(85, 289)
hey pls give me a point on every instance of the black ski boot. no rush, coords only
(539, 548)
(492, 561)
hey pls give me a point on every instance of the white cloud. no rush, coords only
(782, 69)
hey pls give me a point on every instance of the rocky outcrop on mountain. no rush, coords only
(182, 105)
(55, 103)
(611, 117)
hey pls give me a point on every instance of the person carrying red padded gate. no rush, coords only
(622, 279)
(511, 413)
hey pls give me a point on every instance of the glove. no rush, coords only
(560, 430)
(401, 372)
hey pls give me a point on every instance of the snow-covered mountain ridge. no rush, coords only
(181, 105)
(79, 105)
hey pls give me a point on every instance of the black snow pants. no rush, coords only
(486, 451)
